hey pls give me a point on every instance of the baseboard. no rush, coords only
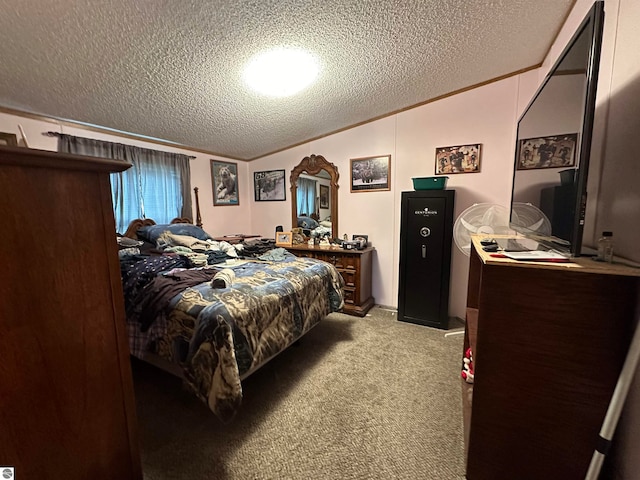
(386, 307)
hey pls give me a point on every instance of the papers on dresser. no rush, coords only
(537, 256)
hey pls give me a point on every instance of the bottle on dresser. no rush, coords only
(605, 247)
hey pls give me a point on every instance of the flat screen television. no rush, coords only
(553, 145)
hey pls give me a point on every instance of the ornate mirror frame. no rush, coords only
(311, 166)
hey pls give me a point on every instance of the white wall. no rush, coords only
(619, 197)
(484, 115)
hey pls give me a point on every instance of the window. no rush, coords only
(306, 196)
(157, 186)
(146, 190)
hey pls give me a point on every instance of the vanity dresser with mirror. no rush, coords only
(355, 266)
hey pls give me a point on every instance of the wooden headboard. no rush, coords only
(132, 229)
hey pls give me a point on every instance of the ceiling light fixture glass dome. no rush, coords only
(281, 72)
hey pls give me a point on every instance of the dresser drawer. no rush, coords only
(349, 296)
(350, 262)
(325, 257)
(350, 277)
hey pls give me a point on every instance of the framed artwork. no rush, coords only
(224, 178)
(284, 239)
(8, 139)
(324, 196)
(371, 174)
(547, 152)
(269, 186)
(458, 159)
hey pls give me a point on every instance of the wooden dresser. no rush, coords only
(549, 341)
(67, 408)
(355, 268)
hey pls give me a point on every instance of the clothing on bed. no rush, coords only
(126, 242)
(197, 259)
(223, 279)
(255, 247)
(128, 252)
(138, 271)
(164, 287)
(219, 333)
(167, 239)
(275, 255)
(152, 232)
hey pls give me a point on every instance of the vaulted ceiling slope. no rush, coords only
(171, 69)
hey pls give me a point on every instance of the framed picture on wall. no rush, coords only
(370, 174)
(553, 151)
(224, 178)
(269, 186)
(324, 196)
(458, 159)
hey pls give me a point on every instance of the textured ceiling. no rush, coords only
(171, 69)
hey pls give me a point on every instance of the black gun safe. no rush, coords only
(426, 231)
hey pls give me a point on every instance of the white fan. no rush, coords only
(482, 218)
(531, 218)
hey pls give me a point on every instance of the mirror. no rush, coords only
(326, 175)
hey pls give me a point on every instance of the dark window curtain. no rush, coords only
(157, 186)
(306, 193)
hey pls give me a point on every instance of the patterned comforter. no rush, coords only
(219, 335)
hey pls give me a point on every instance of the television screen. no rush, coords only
(553, 143)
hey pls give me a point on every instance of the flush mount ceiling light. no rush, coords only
(282, 72)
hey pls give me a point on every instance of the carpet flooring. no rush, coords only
(357, 398)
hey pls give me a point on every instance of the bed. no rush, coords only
(215, 323)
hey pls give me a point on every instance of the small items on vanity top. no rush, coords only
(537, 256)
(350, 245)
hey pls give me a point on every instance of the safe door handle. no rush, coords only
(424, 251)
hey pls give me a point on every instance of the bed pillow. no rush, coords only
(307, 223)
(152, 232)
